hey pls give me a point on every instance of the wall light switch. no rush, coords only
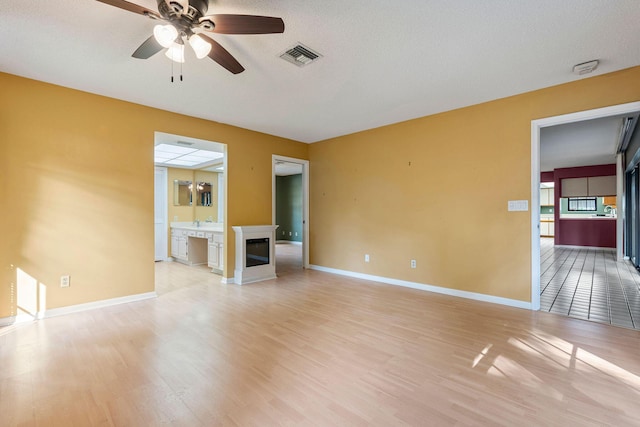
(366, 257)
(518, 205)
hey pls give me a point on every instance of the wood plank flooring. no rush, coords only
(315, 349)
(589, 284)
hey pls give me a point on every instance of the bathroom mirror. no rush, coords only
(182, 195)
(206, 195)
(203, 190)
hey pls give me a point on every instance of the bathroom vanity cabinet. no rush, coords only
(193, 245)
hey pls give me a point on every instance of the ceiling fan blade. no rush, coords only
(246, 24)
(131, 7)
(147, 49)
(222, 56)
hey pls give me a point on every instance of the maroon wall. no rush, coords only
(583, 232)
(546, 176)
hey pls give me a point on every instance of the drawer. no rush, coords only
(200, 234)
(191, 233)
(218, 238)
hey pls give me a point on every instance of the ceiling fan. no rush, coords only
(186, 20)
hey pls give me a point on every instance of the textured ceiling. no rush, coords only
(383, 61)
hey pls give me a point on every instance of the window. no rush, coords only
(582, 204)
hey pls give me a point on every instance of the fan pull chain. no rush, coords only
(181, 71)
(171, 71)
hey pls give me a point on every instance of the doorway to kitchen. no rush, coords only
(578, 279)
(290, 211)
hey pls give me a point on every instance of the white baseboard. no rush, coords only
(227, 281)
(76, 308)
(428, 288)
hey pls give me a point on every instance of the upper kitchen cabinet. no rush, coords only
(547, 197)
(591, 186)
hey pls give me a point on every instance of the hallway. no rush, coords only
(589, 284)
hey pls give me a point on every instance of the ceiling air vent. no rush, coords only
(300, 55)
(188, 144)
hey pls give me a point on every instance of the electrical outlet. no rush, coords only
(366, 257)
(413, 263)
(65, 281)
(296, 234)
(289, 233)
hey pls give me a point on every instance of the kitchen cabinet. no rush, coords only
(602, 185)
(589, 187)
(547, 196)
(547, 228)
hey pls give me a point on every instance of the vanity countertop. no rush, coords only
(204, 226)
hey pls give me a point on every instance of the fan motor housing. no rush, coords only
(174, 11)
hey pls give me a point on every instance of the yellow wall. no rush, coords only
(435, 189)
(76, 180)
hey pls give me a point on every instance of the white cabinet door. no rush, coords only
(552, 228)
(183, 249)
(174, 245)
(544, 228)
(213, 256)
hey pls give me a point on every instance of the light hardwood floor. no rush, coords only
(311, 348)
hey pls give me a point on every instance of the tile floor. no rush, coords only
(589, 284)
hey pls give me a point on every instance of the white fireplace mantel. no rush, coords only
(256, 273)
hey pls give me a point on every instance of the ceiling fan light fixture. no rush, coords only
(165, 34)
(175, 53)
(200, 46)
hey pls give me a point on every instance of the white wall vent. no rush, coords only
(300, 55)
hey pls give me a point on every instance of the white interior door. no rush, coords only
(160, 214)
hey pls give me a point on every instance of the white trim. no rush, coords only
(536, 125)
(620, 194)
(227, 280)
(305, 200)
(164, 237)
(428, 288)
(76, 308)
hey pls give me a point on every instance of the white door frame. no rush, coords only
(305, 200)
(161, 193)
(536, 125)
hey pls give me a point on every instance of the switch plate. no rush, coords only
(366, 257)
(65, 281)
(518, 205)
(413, 263)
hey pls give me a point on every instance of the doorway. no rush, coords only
(190, 206)
(536, 126)
(290, 211)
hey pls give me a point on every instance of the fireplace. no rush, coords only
(255, 253)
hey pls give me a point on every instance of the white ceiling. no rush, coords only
(383, 61)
